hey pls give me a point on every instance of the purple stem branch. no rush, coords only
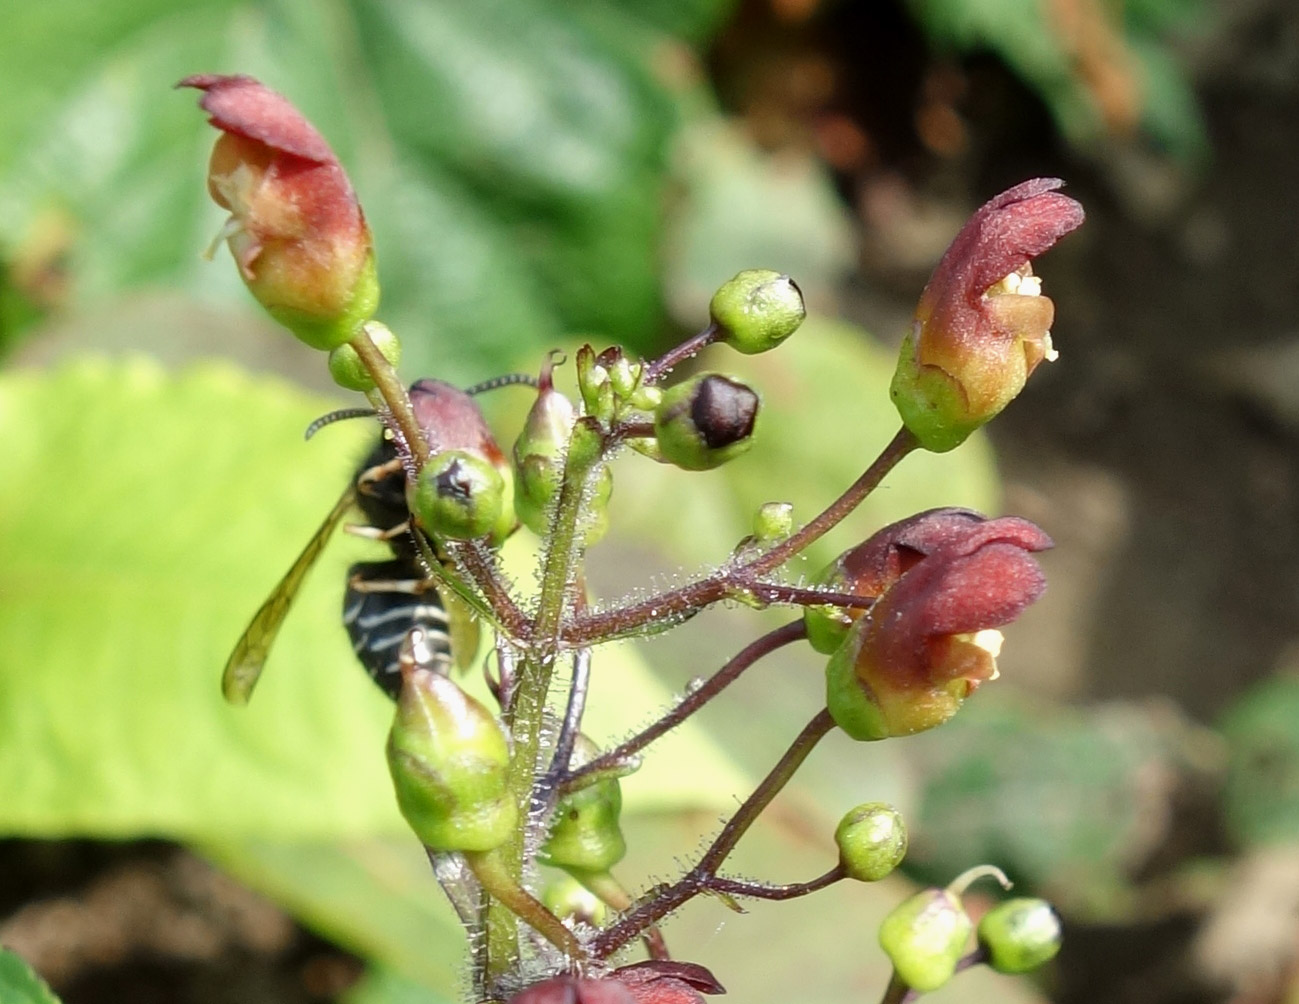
(692, 702)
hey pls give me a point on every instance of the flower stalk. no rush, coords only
(905, 619)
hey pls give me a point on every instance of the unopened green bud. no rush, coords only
(539, 452)
(925, 937)
(459, 494)
(449, 760)
(345, 365)
(757, 310)
(586, 835)
(872, 841)
(1020, 934)
(773, 521)
(705, 421)
(568, 899)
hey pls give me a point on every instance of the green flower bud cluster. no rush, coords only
(926, 936)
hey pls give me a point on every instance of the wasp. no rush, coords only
(383, 600)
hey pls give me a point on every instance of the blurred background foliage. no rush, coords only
(539, 172)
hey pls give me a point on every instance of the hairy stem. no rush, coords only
(689, 599)
(401, 417)
(691, 703)
(494, 875)
(674, 357)
(663, 900)
(763, 890)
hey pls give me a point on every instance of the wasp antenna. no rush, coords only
(507, 380)
(336, 416)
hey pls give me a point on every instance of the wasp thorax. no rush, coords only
(459, 494)
(705, 421)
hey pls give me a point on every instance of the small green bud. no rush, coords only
(1020, 934)
(459, 494)
(586, 835)
(772, 522)
(705, 421)
(568, 899)
(449, 761)
(925, 937)
(345, 365)
(872, 841)
(539, 452)
(757, 310)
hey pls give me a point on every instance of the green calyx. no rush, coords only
(774, 521)
(449, 759)
(705, 421)
(345, 365)
(850, 704)
(586, 835)
(757, 310)
(459, 494)
(872, 841)
(568, 899)
(327, 333)
(925, 937)
(931, 403)
(1020, 935)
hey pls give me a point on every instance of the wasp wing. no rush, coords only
(462, 626)
(244, 666)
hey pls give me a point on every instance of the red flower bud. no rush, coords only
(875, 564)
(296, 230)
(927, 642)
(654, 982)
(981, 326)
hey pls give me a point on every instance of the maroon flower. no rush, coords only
(875, 564)
(929, 639)
(981, 326)
(655, 982)
(296, 229)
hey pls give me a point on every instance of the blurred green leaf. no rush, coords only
(19, 985)
(1069, 801)
(510, 156)
(125, 588)
(1085, 64)
(1261, 800)
(742, 208)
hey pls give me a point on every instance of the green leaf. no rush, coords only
(1261, 800)
(145, 518)
(19, 984)
(510, 155)
(1060, 798)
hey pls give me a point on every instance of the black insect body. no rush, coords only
(383, 599)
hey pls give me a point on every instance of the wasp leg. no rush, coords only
(368, 478)
(374, 533)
